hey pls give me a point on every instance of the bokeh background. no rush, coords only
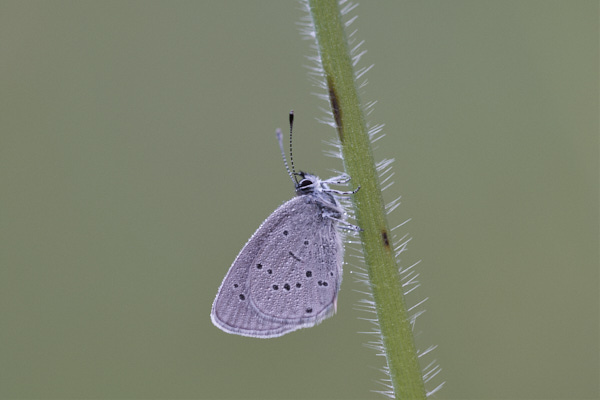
(137, 156)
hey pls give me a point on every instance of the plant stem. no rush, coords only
(396, 329)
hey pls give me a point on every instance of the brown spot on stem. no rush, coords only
(335, 108)
(384, 237)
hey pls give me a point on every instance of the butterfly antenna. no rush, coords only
(291, 126)
(280, 140)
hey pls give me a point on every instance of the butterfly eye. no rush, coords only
(304, 183)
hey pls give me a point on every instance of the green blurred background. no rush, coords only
(137, 156)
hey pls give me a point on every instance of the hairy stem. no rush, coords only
(396, 329)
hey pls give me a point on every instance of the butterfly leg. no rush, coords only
(338, 180)
(339, 192)
(344, 225)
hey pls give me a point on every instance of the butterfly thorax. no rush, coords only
(318, 192)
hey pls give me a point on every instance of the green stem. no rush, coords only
(396, 330)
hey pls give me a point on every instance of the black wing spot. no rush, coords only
(286, 286)
(308, 274)
(320, 283)
(269, 271)
(306, 242)
(235, 285)
(275, 287)
(242, 297)
(258, 266)
(285, 233)
(325, 283)
(309, 310)
(298, 285)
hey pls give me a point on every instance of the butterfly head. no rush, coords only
(308, 183)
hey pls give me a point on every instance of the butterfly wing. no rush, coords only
(286, 277)
(297, 274)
